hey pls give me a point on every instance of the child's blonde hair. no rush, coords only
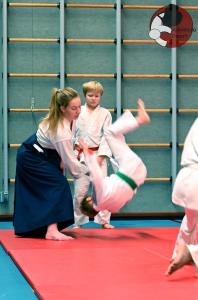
(94, 86)
(60, 97)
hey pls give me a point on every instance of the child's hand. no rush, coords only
(100, 160)
(62, 166)
(82, 144)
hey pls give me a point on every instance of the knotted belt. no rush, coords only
(127, 179)
(79, 150)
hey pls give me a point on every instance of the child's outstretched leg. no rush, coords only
(142, 116)
(127, 122)
(124, 124)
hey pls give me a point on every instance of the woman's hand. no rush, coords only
(62, 166)
(100, 160)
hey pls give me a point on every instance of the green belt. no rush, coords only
(127, 179)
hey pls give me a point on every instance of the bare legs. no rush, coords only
(54, 234)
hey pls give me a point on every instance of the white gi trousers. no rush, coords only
(112, 192)
(188, 230)
(185, 191)
(81, 189)
(185, 194)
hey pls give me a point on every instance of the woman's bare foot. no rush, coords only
(183, 258)
(57, 236)
(54, 234)
(107, 226)
(142, 116)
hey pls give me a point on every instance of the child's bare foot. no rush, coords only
(57, 236)
(107, 226)
(183, 258)
(76, 227)
(142, 116)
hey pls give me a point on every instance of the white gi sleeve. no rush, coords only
(65, 150)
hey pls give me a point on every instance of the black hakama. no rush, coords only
(42, 193)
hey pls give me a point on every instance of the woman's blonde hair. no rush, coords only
(92, 86)
(60, 97)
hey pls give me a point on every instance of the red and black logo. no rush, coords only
(171, 26)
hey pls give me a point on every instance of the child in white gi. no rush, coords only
(114, 191)
(185, 190)
(90, 126)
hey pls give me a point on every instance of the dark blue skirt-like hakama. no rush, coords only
(42, 193)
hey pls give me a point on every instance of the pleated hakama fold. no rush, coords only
(42, 193)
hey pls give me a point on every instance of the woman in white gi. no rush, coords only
(90, 126)
(43, 203)
(185, 192)
(114, 191)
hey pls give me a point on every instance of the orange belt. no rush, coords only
(80, 150)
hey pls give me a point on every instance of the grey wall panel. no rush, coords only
(22, 90)
(155, 92)
(158, 194)
(37, 58)
(96, 58)
(146, 59)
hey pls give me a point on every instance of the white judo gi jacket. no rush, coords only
(91, 125)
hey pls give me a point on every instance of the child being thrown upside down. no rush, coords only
(114, 191)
